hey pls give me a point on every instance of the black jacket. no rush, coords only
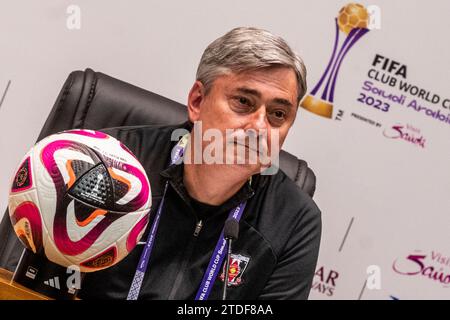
(277, 249)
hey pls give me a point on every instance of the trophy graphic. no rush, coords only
(352, 20)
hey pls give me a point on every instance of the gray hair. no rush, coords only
(244, 49)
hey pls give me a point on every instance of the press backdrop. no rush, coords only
(383, 176)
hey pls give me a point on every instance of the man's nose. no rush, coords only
(258, 120)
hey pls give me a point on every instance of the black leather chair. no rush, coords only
(94, 100)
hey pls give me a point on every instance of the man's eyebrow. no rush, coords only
(249, 91)
(254, 92)
(283, 102)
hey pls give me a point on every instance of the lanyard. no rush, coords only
(216, 259)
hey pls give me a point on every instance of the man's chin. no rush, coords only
(244, 168)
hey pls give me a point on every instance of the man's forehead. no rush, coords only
(281, 82)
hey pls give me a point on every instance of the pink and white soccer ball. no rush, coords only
(81, 198)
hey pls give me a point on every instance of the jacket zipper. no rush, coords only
(198, 228)
(188, 253)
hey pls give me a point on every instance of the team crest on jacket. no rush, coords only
(238, 264)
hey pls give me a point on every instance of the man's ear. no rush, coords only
(195, 99)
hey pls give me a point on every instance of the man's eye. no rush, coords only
(242, 104)
(277, 118)
(244, 101)
(279, 114)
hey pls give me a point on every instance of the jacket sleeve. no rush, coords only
(293, 275)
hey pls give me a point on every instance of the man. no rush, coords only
(249, 82)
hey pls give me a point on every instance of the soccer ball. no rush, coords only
(351, 16)
(81, 198)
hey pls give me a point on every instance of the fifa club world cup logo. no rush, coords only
(353, 20)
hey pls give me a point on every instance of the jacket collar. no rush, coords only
(174, 174)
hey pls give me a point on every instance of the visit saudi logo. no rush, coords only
(352, 21)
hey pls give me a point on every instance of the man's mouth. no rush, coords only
(248, 147)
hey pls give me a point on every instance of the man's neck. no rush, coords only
(211, 184)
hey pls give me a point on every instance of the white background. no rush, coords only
(396, 193)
